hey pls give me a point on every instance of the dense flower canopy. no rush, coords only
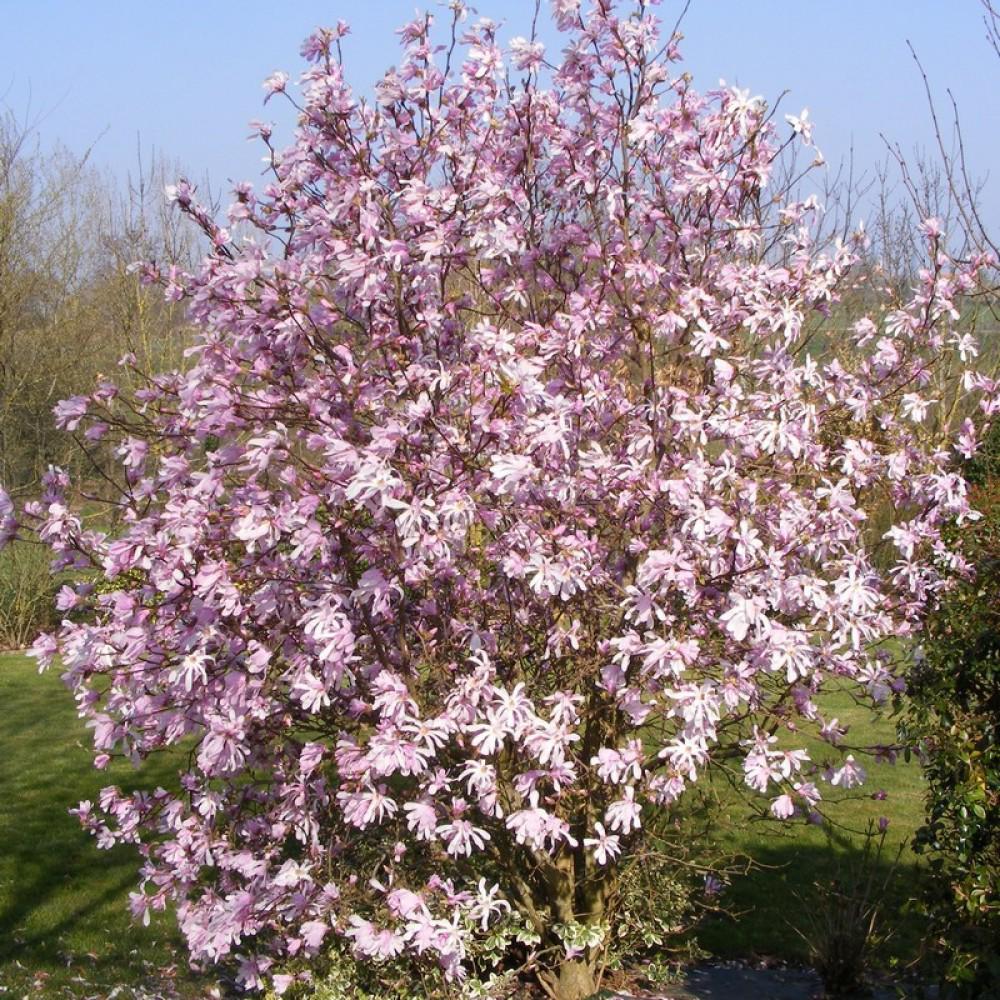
(506, 488)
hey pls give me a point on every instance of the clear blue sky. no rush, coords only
(186, 76)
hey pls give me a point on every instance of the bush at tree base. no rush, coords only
(662, 898)
(504, 497)
(953, 716)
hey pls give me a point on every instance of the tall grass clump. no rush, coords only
(27, 592)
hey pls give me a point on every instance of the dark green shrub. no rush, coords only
(953, 719)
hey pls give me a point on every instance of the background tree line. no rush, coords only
(70, 307)
(70, 310)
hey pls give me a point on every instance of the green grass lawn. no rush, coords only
(781, 892)
(65, 930)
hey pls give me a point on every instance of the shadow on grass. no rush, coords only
(63, 903)
(791, 892)
(29, 929)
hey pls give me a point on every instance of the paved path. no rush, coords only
(713, 982)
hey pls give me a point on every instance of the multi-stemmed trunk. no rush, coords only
(567, 889)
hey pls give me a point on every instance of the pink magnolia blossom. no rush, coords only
(783, 806)
(849, 774)
(372, 942)
(606, 846)
(488, 904)
(622, 815)
(461, 837)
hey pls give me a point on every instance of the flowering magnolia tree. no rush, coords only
(506, 493)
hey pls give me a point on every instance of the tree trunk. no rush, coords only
(565, 892)
(575, 980)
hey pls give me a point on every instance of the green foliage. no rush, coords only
(344, 978)
(954, 720)
(661, 898)
(339, 976)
